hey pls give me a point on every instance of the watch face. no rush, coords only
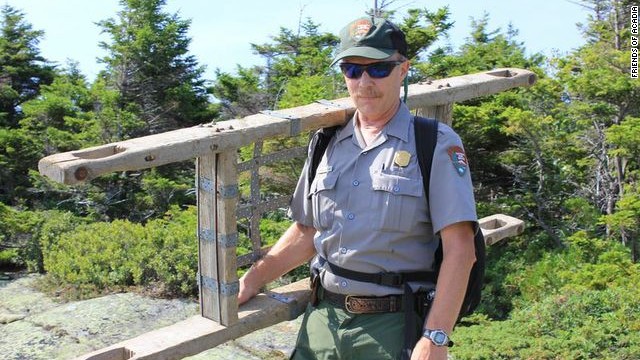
(439, 337)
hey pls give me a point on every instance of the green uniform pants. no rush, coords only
(331, 333)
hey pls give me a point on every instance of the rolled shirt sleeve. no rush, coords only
(300, 208)
(450, 191)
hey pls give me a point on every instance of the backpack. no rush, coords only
(426, 134)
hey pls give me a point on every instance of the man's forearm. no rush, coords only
(293, 249)
(458, 258)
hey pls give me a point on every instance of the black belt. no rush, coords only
(363, 304)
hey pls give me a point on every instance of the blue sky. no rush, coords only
(221, 31)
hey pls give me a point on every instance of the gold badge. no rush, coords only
(402, 158)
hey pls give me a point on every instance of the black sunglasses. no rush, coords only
(376, 70)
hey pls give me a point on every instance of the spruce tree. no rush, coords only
(22, 69)
(149, 64)
(605, 102)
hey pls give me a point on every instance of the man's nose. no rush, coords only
(365, 79)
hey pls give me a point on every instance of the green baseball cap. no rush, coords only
(371, 37)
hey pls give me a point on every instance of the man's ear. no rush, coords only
(404, 69)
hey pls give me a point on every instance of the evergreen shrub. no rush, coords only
(577, 303)
(115, 255)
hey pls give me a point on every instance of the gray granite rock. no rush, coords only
(34, 327)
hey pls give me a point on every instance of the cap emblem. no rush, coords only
(359, 29)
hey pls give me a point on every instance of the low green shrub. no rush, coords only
(9, 259)
(99, 253)
(272, 227)
(162, 253)
(170, 259)
(16, 228)
(160, 256)
(578, 303)
(587, 324)
(24, 235)
(588, 263)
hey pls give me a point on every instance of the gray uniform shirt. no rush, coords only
(368, 206)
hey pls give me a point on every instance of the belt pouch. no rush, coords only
(315, 285)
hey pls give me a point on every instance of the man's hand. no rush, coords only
(293, 248)
(427, 350)
(247, 291)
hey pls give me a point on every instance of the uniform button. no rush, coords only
(343, 283)
(396, 188)
(343, 250)
(351, 216)
(365, 153)
(356, 183)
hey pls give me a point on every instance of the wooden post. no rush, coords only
(442, 113)
(207, 249)
(227, 235)
(217, 181)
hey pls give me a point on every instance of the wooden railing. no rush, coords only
(215, 148)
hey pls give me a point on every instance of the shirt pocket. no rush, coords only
(396, 200)
(323, 199)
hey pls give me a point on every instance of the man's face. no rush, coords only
(376, 99)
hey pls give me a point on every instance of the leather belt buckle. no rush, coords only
(353, 308)
(364, 305)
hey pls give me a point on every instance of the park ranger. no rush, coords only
(365, 212)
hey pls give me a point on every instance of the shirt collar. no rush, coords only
(395, 127)
(398, 126)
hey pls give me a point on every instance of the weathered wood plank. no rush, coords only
(207, 250)
(173, 146)
(227, 235)
(254, 199)
(442, 113)
(466, 87)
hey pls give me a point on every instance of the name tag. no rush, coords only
(324, 169)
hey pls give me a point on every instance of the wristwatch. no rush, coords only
(438, 337)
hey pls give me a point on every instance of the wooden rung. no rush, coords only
(183, 144)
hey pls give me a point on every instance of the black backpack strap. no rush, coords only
(426, 137)
(318, 146)
(426, 133)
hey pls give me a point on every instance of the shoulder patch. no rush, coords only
(458, 159)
